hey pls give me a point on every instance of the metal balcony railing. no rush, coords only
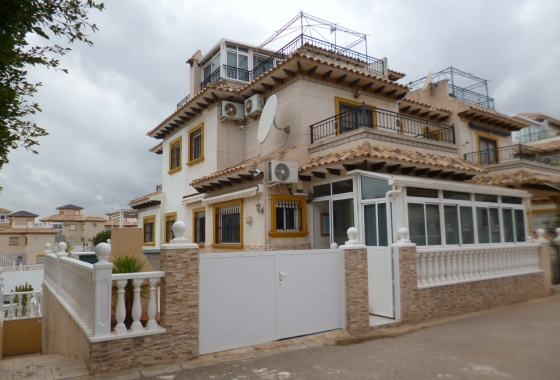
(470, 96)
(183, 102)
(537, 136)
(511, 153)
(383, 120)
(305, 43)
(214, 77)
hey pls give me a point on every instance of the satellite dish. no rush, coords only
(427, 81)
(267, 118)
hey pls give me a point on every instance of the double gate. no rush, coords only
(249, 298)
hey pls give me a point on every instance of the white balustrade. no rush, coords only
(437, 267)
(85, 290)
(24, 268)
(23, 305)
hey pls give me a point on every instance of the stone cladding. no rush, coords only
(445, 301)
(179, 315)
(357, 300)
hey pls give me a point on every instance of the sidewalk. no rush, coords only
(521, 321)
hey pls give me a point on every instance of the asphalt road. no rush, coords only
(518, 342)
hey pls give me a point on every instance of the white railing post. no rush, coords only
(137, 306)
(152, 307)
(61, 253)
(102, 271)
(120, 313)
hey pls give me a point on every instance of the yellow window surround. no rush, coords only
(14, 240)
(194, 224)
(338, 101)
(303, 207)
(175, 162)
(192, 134)
(147, 220)
(170, 216)
(215, 210)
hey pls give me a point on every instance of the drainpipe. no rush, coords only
(389, 197)
(391, 193)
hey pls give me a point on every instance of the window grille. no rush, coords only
(149, 232)
(200, 227)
(228, 225)
(175, 156)
(196, 144)
(288, 216)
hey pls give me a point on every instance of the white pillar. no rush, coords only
(137, 306)
(152, 308)
(102, 277)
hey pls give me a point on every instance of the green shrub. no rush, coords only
(20, 289)
(101, 237)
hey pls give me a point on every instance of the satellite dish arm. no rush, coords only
(285, 129)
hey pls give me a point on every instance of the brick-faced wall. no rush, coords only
(445, 301)
(357, 300)
(179, 315)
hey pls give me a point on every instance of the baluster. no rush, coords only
(510, 259)
(436, 268)
(32, 308)
(515, 265)
(430, 271)
(137, 306)
(19, 306)
(11, 307)
(499, 263)
(39, 298)
(483, 264)
(468, 265)
(152, 308)
(503, 260)
(448, 269)
(454, 277)
(120, 313)
(475, 265)
(535, 255)
(460, 276)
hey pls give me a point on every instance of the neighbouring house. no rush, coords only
(20, 219)
(75, 226)
(4, 219)
(24, 245)
(125, 218)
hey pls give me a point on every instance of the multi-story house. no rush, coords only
(348, 146)
(4, 219)
(76, 228)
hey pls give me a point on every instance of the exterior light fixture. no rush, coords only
(260, 209)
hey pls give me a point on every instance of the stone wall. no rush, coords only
(179, 315)
(445, 301)
(357, 300)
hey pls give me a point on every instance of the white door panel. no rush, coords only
(380, 281)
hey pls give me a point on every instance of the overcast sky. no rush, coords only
(96, 155)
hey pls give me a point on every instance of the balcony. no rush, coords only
(510, 154)
(470, 96)
(301, 42)
(183, 102)
(382, 120)
(537, 136)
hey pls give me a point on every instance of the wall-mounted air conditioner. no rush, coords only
(232, 111)
(254, 105)
(282, 172)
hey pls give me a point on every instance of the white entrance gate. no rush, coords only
(248, 298)
(380, 282)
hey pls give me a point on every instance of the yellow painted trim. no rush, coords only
(178, 141)
(26, 240)
(195, 161)
(486, 136)
(194, 211)
(13, 237)
(303, 205)
(214, 217)
(144, 232)
(338, 100)
(167, 217)
(544, 210)
(83, 226)
(37, 261)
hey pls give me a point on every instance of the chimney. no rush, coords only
(195, 73)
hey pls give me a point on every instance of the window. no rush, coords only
(26, 240)
(373, 188)
(14, 240)
(488, 150)
(261, 64)
(237, 63)
(199, 226)
(72, 227)
(288, 216)
(228, 229)
(375, 223)
(334, 188)
(352, 116)
(421, 193)
(175, 155)
(170, 219)
(196, 145)
(83, 226)
(148, 227)
(58, 227)
(3, 218)
(210, 67)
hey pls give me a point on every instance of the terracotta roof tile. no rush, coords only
(518, 124)
(381, 152)
(70, 207)
(156, 147)
(517, 178)
(4, 211)
(23, 214)
(73, 218)
(536, 116)
(548, 146)
(443, 110)
(243, 165)
(144, 197)
(15, 231)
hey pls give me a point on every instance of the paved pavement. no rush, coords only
(515, 342)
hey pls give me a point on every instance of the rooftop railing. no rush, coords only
(305, 43)
(184, 101)
(382, 120)
(511, 153)
(537, 136)
(470, 96)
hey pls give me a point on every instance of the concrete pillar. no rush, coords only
(544, 260)
(408, 275)
(179, 293)
(195, 76)
(356, 274)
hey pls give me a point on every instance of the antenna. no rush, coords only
(268, 119)
(427, 81)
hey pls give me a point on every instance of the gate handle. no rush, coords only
(280, 274)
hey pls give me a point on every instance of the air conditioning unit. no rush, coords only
(65, 224)
(254, 105)
(282, 172)
(232, 111)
